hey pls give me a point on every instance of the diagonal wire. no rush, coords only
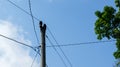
(33, 17)
(16, 41)
(31, 14)
(60, 48)
(37, 52)
(20, 43)
(28, 14)
(22, 9)
(34, 59)
(57, 51)
(29, 1)
(78, 44)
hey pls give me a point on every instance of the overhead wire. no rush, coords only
(28, 14)
(16, 41)
(60, 48)
(57, 51)
(22, 9)
(33, 48)
(39, 20)
(20, 43)
(74, 44)
(33, 22)
(37, 52)
(29, 1)
(78, 44)
(31, 14)
(34, 59)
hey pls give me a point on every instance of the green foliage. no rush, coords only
(117, 2)
(117, 54)
(118, 64)
(108, 25)
(103, 24)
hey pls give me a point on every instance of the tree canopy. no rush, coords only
(108, 25)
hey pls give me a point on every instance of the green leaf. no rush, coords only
(117, 54)
(98, 14)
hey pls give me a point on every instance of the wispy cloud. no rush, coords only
(11, 53)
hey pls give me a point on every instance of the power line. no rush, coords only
(34, 59)
(29, 1)
(28, 14)
(39, 20)
(57, 51)
(78, 44)
(63, 45)
(37, 51)
(31, 14)
(22, 9)
(60, 48)
(33, 17)
(16, 41)
(20, 43)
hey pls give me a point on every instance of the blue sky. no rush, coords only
(71, 21)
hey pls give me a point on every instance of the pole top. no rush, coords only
(42, 26)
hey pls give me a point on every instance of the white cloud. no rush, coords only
(11, 53)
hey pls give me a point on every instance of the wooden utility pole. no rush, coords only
(43, 45)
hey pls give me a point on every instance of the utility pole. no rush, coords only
(43, 45)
